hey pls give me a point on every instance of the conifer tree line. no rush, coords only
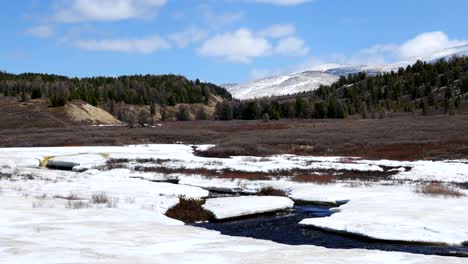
(138, 89)
(441, 86)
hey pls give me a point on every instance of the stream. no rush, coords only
(284, 228)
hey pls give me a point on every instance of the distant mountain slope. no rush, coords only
(324, 75)
(228, 85)
(283, 85)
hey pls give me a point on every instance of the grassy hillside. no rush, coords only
(37, 114)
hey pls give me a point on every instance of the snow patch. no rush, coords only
(231, 207)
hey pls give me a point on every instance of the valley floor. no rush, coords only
(401, 137)
(111, 208)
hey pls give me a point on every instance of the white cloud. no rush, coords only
(283, 2)
(279, 31)
(238, 46)
(244, 45)
(106, 10)
(144, 45)
(292, 46)
(419, 47)
(188, 36)
(426, 44)
(41, 31)
(216, 20)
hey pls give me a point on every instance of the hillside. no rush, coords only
(136, 90)
(282, 85)
(440, 87)
(37, 114)
(313, 78)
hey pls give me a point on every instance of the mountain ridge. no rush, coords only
(326, 74)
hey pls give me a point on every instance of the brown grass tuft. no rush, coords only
(270, 191)
(315, 178)
(69, 197)
(190, 211)
(439, 190)
(100, 198)
(116, 164)
(77, 205)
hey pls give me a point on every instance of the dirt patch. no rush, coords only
(85, 113)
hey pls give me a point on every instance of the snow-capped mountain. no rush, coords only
(448, 53)
(282, 85)
(324, 75)
(343, 70)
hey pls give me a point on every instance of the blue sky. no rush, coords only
(220, 40)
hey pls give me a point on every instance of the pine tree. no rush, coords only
(424, 108)
(363, 110)
(299, 107)
(152, 109)
(184, 113)
(36, 93)
(452, 109)
(143, 118)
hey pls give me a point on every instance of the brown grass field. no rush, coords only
(403, 137)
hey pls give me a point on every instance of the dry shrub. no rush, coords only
(295, 149)
(70, 197)
(270, 191)
(100, 198)
(315, 178)
(462, 185)
(116, 164)
(113, 202)
(4, 175)
(42, 203)
(305, 175)
(118, 160)
(190, 211)
(227, 150)
(437, 189)
(151, 160)
(348, 160)
(225, 173)
(76, 205)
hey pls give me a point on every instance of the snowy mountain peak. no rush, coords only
(282, 85)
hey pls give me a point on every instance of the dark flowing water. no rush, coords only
(284, 228)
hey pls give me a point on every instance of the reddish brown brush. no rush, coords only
(189, 211)
(315, 178)
(439, 190)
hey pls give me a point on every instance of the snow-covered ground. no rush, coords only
(101, 235)
(38, 224)
(282, 85)
(391, 213)
(230, 207)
